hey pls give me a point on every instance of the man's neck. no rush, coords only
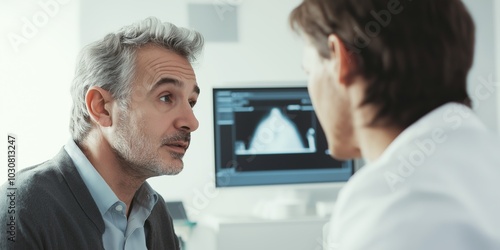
(372, 140)
(101, 156)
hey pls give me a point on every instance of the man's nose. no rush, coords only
(187, 120)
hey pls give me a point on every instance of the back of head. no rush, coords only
(109, 63)
(414, 55)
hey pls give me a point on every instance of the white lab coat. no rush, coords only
(436, 187)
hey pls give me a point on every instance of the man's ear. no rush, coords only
(98, 102)
(341, 55)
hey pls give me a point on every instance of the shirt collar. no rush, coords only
(103, 196)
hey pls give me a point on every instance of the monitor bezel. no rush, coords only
(263, 86)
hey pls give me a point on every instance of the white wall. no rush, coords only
(35, 74)
(482, 76)
(496, 11)
(35, 81)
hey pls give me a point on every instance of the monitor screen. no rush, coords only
(267, 136)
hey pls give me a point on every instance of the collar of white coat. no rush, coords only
(449, 116)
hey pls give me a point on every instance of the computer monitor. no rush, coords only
(266, 136)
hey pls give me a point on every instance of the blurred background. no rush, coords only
(247, 41)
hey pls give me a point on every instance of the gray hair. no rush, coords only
(110, 63)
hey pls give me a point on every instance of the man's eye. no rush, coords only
(192, 103)
(166, 98)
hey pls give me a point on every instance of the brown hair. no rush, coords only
(414, 54)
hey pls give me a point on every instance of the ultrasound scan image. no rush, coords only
(276, 133)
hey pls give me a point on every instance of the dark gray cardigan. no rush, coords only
(54, 210)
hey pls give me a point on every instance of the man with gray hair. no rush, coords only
(132, 116)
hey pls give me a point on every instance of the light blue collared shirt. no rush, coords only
(119, 232)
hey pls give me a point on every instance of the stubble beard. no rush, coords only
(138, 154)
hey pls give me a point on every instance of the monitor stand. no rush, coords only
(298, 203)
(283, 205)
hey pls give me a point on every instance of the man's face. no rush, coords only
(330, 101)
(153, 134)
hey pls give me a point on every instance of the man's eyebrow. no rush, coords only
(175, 82)
(166, 80)
(196, 89)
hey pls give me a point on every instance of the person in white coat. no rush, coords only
(387, 79)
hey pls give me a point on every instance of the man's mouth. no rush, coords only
(178, 146)
(177, 143)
